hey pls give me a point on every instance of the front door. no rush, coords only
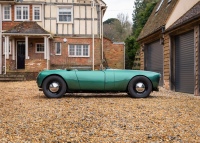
(20, 55)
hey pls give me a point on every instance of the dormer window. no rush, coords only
(159, 6)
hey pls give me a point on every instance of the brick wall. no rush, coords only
(10, 64)
(64, 61)
(114, 54)
(35, 65)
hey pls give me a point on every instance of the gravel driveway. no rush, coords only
(26, 115)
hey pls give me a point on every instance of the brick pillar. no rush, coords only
(7, 65)
(142, 57)
(166, 62)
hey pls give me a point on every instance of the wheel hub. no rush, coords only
(140, 87)
(54, 87)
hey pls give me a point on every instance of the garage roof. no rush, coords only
(190, 15)
(157, 18)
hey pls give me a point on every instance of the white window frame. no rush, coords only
(67, 7)
(75, 50)
(159, 6)
(9, 47)
(40, 13)
(56, 48)
(22, 6)
(169, 1)
(36, 50)
(4, 13)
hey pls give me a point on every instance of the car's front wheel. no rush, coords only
(54, 87)
(139, 87)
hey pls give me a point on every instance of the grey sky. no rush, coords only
(118, 6)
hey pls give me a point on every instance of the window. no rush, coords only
(6, 12)
(39, 47)
(9, 47)
(64, 14)
(78, 51)
(21, 12)
(58, 48)
(37, 13)
(159, 6)
(85, 50)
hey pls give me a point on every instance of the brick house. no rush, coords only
(49, 34)
(170, 44)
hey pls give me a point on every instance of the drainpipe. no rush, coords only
(124, 56)
(102, 33)
(1, 41)
(43, 15)
(48, 52)
(100, 21)
(93, 35)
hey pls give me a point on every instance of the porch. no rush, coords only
(26, 47)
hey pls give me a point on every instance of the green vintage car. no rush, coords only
(137, 83)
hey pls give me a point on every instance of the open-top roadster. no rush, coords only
(137, 83)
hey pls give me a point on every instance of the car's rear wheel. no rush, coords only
(54, 87)
(139, 87)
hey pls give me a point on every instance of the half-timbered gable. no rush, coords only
(45, 34)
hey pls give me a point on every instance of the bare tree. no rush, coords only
(118, 29)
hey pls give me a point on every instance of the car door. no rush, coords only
(91, 80)
(109, 80)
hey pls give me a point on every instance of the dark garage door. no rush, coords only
(184, 62)
(154, 58)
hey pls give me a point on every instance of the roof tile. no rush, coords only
(27, 27)
(157, 19)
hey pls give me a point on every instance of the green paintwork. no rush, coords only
(103, 80)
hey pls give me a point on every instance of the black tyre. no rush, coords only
(139, 87)
(54, 87)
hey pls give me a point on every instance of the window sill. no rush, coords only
(65, 22)
(16, 20)
(6, 20)
(78, 56)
